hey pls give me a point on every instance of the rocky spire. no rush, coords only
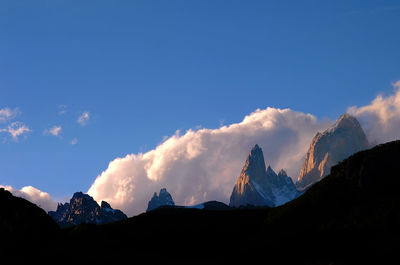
(259, 186)
(163, 199)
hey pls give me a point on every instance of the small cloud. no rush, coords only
(16, 129)
(74, 141)
(55, 131)
(62, 109)
(7, 114)
(84, 118)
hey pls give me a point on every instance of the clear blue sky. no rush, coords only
(144, 69)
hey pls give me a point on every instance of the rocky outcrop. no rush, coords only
(163, 199)
(82, 208)
(344, 138)
(258, 186)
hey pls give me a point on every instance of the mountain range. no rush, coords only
(347, 214)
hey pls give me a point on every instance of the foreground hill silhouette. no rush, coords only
(22, 226)
(352, 216)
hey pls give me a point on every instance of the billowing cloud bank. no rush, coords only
(40, 198)
(381, 118)
(203, 164)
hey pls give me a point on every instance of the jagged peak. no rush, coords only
(270, 170)
(163, 190)
(256, 151)
(256, 147)
(78, 194)
(282, 172)
(345, 121)
(105, 205)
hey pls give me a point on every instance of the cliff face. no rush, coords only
(344, 138)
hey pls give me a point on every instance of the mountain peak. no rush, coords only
(282, 173)
(82, 208)
(259, 186)
(77, 195)
(344, 138)
(164, 198)
(345, 121)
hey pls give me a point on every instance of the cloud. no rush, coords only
(74, 141)
(203, 164)
(16, 129)
(84, 118)
(32, 194)
(381, 118)
(55, 131)
(8, 114)
(62, 109)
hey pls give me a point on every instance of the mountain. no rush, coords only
(344, 138)
(22, 225)
(163, 199)
(82, 208)
(258, 186)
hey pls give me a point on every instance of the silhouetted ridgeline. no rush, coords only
(349, 217)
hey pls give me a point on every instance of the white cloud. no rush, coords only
(381, 118)
(74, 141)
(8, 114)
(32, 194)
(16, 129)
(55, 131)
(203, 164)
(84, 118)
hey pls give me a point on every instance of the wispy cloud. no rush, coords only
(55, 131)
(84, 118)
(74, 141)
(62, 109)
(7, 114)
(16, 129)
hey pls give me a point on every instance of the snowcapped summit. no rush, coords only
(259, 186)
(344, 138)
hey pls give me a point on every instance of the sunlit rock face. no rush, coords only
(163, 199)
(344, 138)
(258, 186)
(82, 208)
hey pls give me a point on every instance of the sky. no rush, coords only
(84, 83)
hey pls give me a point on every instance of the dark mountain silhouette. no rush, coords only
(82, 208)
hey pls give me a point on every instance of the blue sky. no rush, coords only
(143, 69)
